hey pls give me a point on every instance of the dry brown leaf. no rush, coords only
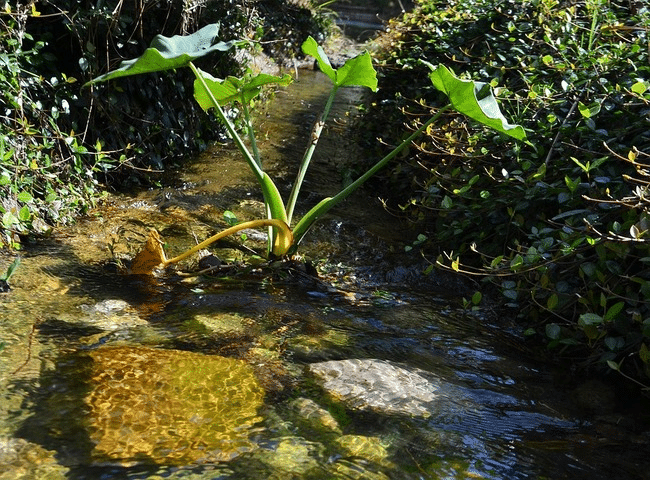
(150, 257)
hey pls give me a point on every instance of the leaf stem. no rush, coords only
(284, 239)
(304, 165)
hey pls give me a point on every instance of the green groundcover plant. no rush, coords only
(560, 230)
(468, 97)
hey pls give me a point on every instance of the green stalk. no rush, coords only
(326, 204)
(304, 165)
(251, 132)
(272, 197)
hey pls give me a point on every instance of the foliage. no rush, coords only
(211, 93)
(560, 229)
(46, 172)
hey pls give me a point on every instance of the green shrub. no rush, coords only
(561, 228)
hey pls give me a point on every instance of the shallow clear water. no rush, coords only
(370, 370)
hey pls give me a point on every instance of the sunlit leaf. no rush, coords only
(166, 53)
(24, 197)
(233, 89)
(455, 265)
(357, 71)
(589, 111)
(475, 100)
(11, 270)
(312, 48)
(639, 88)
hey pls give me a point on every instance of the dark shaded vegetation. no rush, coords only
(61, 145)
(559, 228)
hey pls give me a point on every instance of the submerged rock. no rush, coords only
(376, 385)
(20, 459)
(169, 407)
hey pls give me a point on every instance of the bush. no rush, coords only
(560, 229)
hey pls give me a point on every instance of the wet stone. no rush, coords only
(377, 385)
(169, 407)
(315, 416)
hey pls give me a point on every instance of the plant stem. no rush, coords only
(272, 198)
(325, 205)
(304, 165)
(284, 238)
(251, 132)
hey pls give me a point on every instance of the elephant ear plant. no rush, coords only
(470, 98)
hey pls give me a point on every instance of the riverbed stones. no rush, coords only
(169, 407)
(378, 385)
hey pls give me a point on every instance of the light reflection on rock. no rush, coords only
(170, 407)
(376, 384)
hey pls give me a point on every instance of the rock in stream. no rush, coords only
(377, 385)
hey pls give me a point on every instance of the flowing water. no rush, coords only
(368, 370)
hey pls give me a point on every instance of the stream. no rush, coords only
(348, 363)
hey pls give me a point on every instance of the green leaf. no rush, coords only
(644, 354)
(639, 88)
(24, 214)
(357, 71)
(552, 301)
(463, 95)
(553, 331)
(11, 270)
(233, 89)
(24, 197)
(230, 218)
(311, 47)
(477, 297)
(589, 111)
(613, 311)
(166, 53)
(447, 202)
(590, 319)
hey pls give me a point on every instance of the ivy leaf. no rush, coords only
(474, 100)
(166, 53)
(357, 71)
(590, 319)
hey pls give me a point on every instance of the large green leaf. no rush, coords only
(166, 53)
(474, 99)
(357, 71)
(232, 88)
